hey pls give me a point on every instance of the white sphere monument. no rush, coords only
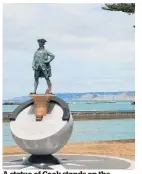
(45, 136)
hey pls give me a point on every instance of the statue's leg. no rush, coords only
(49, 84)
(36, 81)
(35, 85)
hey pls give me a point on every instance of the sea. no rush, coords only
(89, 105)
(89, 130)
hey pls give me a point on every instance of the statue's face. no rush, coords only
(41, 44)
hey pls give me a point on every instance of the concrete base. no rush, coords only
(41, 161)
(65, 162)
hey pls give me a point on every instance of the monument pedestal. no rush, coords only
(41, 161)
(41, 104)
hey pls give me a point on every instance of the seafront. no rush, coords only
(93, 115)
(98, 115)
(119, 148)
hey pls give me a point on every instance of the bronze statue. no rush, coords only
(41, 66)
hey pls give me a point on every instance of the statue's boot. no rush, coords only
(32, 92)
(48, 91)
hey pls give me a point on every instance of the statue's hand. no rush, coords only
(51, 55)
(33, 68)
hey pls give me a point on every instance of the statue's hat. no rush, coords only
(42, 40)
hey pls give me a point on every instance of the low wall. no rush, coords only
(103, 115)
(94, 115)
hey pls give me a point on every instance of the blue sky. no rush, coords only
(94, 49)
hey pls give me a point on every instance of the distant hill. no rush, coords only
(120, 95)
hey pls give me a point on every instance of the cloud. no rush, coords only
(86, 40)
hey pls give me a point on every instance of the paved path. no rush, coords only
(70, 161)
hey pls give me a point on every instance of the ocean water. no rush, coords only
(95, 106)
(9, 108)
(88, 106)
(90, 130)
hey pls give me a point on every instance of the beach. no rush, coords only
(118, 148)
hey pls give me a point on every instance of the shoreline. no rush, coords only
(119, 148)
(92, 115)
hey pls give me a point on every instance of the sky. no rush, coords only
(94, 49)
